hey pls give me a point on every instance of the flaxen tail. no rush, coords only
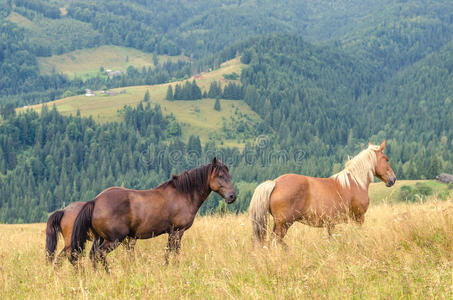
(259, 208)
(82, 225)
(52, 230)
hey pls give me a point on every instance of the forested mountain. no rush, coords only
(389, 34)
(325, 76)
(314, 94)
(49, 160)
(401, 33)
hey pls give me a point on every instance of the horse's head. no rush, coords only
(220, 181)
(383, 169)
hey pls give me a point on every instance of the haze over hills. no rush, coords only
(312, 82)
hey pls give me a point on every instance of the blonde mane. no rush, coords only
(361, 168)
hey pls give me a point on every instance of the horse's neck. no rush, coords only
(354, 185)
(199, 197)
(355, 176)
(365, 187)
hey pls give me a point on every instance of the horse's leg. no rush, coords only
(94, 252)
(129, 243)
(132, 242)
(174, 243)
(330, 227)
(105, 248)
(60, 257)
(280, 230)
(359, 218)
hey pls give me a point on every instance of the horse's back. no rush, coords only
(121, 201)
(289, 186)
(112, 201)
(299, 197)
(67, 222)
(288, 196)
(111, 211)
(119, 212)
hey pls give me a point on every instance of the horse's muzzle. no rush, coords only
(390, 182)
(230, 198)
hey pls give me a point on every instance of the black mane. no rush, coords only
(195, 179)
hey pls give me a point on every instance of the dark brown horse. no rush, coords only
(62, 221)
(319, 202)
(117, 213)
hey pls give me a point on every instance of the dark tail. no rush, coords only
(52, 230)
(82, 224)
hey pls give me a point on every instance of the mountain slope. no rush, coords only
(196, 117)
(391, 35)
(87, 62)
(325, 102)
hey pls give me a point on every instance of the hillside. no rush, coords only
(318, 81)
(269, 88)
(196, 117)
(399, 33)
(87, 62)
(329, 104)
(390, 35)
(401, 251)
(320, 102)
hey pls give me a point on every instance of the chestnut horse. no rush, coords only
(62, 221)
(117, 213)
(319, 202)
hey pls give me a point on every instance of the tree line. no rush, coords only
(191, 91)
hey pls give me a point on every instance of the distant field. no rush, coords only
(87, 62)
(20, 20)
(380, 193)
(402, 251)
(196, 117)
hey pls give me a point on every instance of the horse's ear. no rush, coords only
(214, 161)
(382, 147)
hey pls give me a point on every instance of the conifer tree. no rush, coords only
(217, 104)
(146, 97)
(170, 95)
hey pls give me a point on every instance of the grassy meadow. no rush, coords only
(196, 116)
(87, 62)
(380, 193)
(20, 20)
(401, 251)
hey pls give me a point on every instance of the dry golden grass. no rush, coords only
(401, 251)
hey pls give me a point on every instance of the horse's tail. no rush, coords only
(259, 208)
(82, 225)
(52, 230)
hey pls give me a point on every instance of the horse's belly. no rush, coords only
(319, 217)
(148, 229)
(148, 235)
